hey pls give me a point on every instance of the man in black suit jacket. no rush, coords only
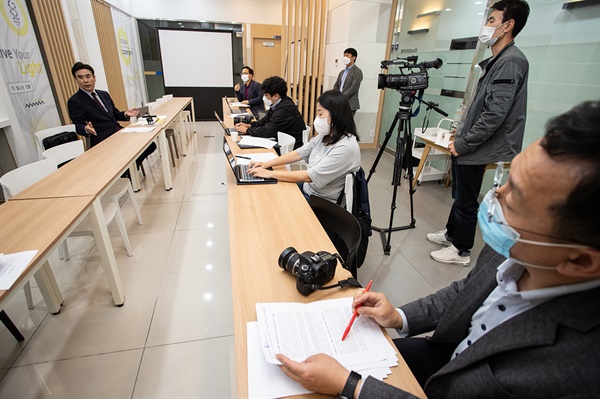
(93, 111)
(283, 116)
(525, 322)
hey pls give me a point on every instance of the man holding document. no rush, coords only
(525, 321)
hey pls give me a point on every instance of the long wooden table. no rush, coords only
(39, 224)
(263, 221)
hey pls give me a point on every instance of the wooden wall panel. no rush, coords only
(110, 52)
(52, 28)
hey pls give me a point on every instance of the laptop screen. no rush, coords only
(221, 122)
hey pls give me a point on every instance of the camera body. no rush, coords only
(413, 81)
(309, 268)
(242, 119)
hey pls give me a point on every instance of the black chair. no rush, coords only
(342, 227)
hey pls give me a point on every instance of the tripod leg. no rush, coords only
(387, 138)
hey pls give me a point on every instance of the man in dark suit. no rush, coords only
(348, 81)
(93, 111)
(282, 116)
(525, 322)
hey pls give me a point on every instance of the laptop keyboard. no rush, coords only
(244, 175)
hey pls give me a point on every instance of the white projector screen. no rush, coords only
(196, 58)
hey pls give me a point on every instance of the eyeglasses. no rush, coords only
(497, 183)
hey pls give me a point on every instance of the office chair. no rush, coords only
(342, 227)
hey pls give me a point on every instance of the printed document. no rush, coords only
(257, 157)
(300, 330)
(12, 265)
(256, 142)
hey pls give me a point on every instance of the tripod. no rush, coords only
(403, 143)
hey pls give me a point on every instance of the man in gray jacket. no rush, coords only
(348, 81)
(491, 131)
(525, 322)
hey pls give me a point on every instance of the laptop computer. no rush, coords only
(142, 111)
(227, 130)
(241, 171)
(236, 111)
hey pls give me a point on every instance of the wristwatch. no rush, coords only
(350, 387)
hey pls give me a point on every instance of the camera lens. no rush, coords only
(287, 259)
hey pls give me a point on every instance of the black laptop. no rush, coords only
(241, 171)
(227, 130)
(234, 111)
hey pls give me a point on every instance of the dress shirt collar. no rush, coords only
(89, 93)
(510, 272)
(275, 104)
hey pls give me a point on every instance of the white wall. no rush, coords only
(363, 25)
(240, 11)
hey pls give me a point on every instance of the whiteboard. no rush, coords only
(193, 58)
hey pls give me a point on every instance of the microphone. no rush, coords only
(437, 63)
(431, 104)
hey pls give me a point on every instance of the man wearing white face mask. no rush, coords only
(523, 327)
(348, 81)
(491, 131)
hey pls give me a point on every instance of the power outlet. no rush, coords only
(372, 133)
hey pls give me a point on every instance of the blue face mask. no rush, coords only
(501, 237)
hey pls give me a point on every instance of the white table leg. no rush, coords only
(180, 128)
(107, 254)
(164, 152)
(193, 116)
(49, 288)
(135, 178)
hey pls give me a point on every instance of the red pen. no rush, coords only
(355, 313)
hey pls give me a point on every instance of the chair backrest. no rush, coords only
(42, 134)
(286, 144)
(349, 191)
(19, 179)
(64, 152)
(167, 97)
(306, 135)
(342, 227)
(161, 101)
(151, 106)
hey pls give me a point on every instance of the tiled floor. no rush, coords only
(174, 336)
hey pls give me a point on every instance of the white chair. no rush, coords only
(64, 152)
(42, 134)
(286, 144)
(349, 191)
(306, 135)
(167, 97)
(187, 123)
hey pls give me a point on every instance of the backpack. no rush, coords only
(58, 139)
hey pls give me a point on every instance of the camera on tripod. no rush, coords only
(311, 270)
(407, 79)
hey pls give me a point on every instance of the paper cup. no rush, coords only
(234, 136)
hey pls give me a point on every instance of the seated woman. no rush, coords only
(330, 156)
(251, 92)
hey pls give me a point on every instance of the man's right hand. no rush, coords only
(237, 87)
(378, 307)
(90, 128)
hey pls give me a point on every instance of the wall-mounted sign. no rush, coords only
(268, 44)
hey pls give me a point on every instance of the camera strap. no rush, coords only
(349, 282)
(419, 97)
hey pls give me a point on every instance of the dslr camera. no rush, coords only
(311, 270)
(242, 119)
(408, 78)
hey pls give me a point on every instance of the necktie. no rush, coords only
(95, 97)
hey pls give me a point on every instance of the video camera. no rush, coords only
(311, 270)
(410, 80)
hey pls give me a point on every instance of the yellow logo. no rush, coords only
(15, 16)
(125, 50)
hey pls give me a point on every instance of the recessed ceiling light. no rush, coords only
(448, 9)
(207, 296)
(208, 267)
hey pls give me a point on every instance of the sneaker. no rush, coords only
(451, 256)
(439, 237)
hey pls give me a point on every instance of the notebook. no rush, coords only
(227, 130)
(241, 171)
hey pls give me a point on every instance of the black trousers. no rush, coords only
(424, 358)
(462, 221)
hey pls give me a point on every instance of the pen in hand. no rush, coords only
(355, 313)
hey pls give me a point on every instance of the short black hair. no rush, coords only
(250, 70)
(351, 51)
(342, 120)
(575, 137)
(275, 85)
(80, 65)
(517, 10)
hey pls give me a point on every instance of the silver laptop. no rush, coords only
(241, 171)
(142, 111)
(233, 111)
(227, 130)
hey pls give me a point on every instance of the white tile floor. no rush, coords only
(174, 335)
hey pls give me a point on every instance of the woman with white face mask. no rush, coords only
(250, 91)
(331, 155)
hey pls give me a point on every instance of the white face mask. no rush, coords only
(245, 77)
(321, 126)
(346, 60)
(267, 102)
(487, 33)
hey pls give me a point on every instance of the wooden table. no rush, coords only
(263, 221)
(39, 224)
(430, 143)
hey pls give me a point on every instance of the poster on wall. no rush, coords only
(130, 58)
(24, 72)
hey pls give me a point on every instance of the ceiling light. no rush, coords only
(414, 31)
(427, 14)
(448, 9)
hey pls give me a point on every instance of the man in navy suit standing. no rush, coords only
(93, 111)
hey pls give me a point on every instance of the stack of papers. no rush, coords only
(12, 265)
(299, 331)
(240, 114)
(138, 129)
(249, 141)
(245, 159)
(239, 105)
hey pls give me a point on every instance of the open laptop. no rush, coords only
(234, 111)
(227, 130)
(241, 171)
(142, 111)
